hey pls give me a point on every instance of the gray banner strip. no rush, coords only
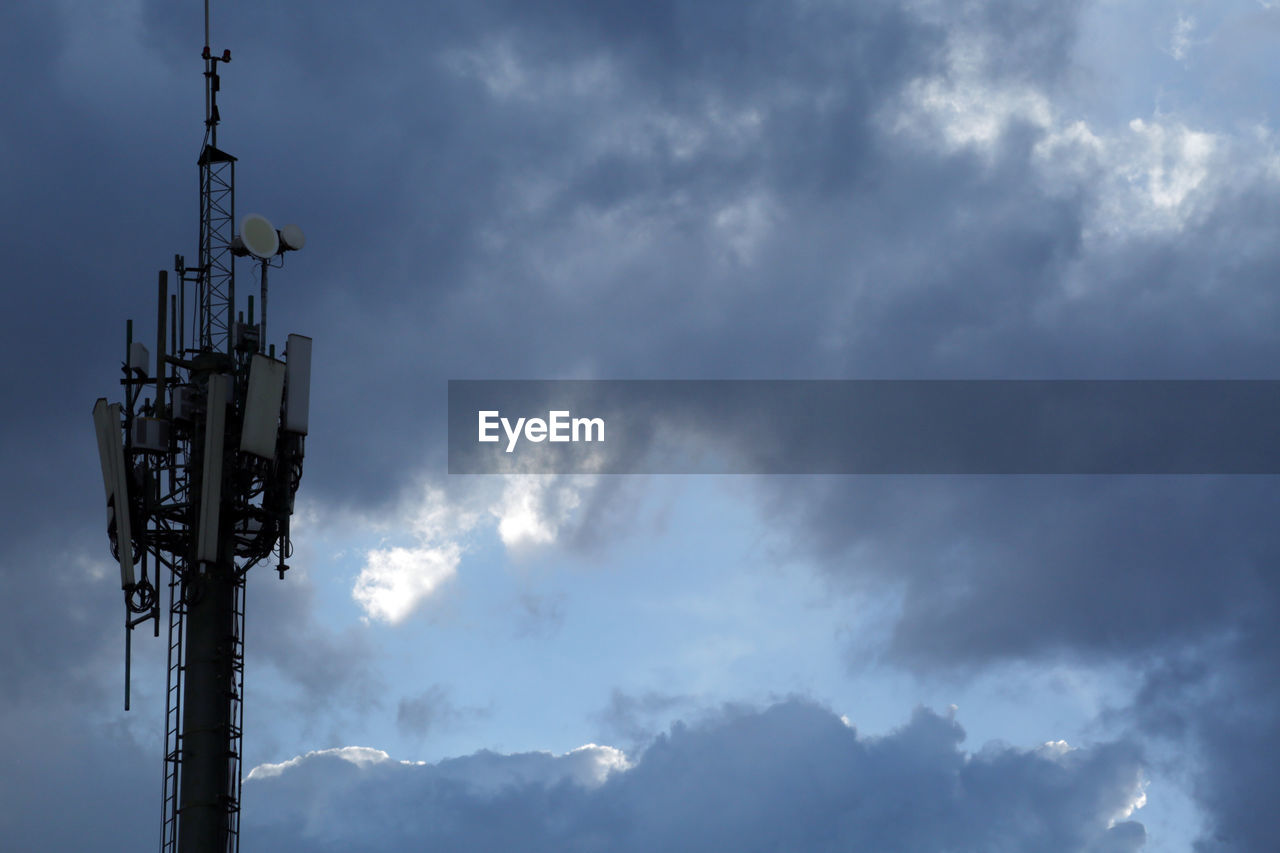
(864, 427)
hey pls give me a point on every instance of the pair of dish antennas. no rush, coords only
(258, 237)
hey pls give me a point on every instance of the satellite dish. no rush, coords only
(292, 237)
(259, 236)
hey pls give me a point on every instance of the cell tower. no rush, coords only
(200, 478)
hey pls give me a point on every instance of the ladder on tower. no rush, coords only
(173, 716)
(237, 717)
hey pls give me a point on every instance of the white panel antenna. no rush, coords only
(106, 421)
(139, 358)
(262, 407)
(211, 482)
(151, 435)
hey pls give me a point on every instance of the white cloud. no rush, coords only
(969, 112)
(1180, 42)
(1164, 164)
(533, 508)
(1149, 175)
(360, 756)
(396, 580)
(523, 510)
(962, 107)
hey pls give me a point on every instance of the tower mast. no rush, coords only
(200, 479)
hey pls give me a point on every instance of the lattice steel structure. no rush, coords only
(217, 230)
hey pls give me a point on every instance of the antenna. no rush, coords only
(258, 236)
(200, 464)
(292, 238)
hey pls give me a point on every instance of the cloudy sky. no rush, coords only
(665, 190)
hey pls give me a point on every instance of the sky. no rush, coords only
(665, 190)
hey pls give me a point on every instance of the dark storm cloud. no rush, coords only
(1220, 699)
(58, 758)
(1198, 303)
(63, 663)
(1007, 568)
(61, 611)
(792, 777)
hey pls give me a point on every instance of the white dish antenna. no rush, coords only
(259, 236)
(292, 237)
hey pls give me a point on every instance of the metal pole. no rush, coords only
(262, 337)
(203, 802)
(128, 652)
(162, 305)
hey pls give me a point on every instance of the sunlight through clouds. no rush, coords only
(395, 581)
(524, 511)
(532, 509)
(1151, 175)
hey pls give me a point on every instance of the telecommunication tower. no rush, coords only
(200, 464)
